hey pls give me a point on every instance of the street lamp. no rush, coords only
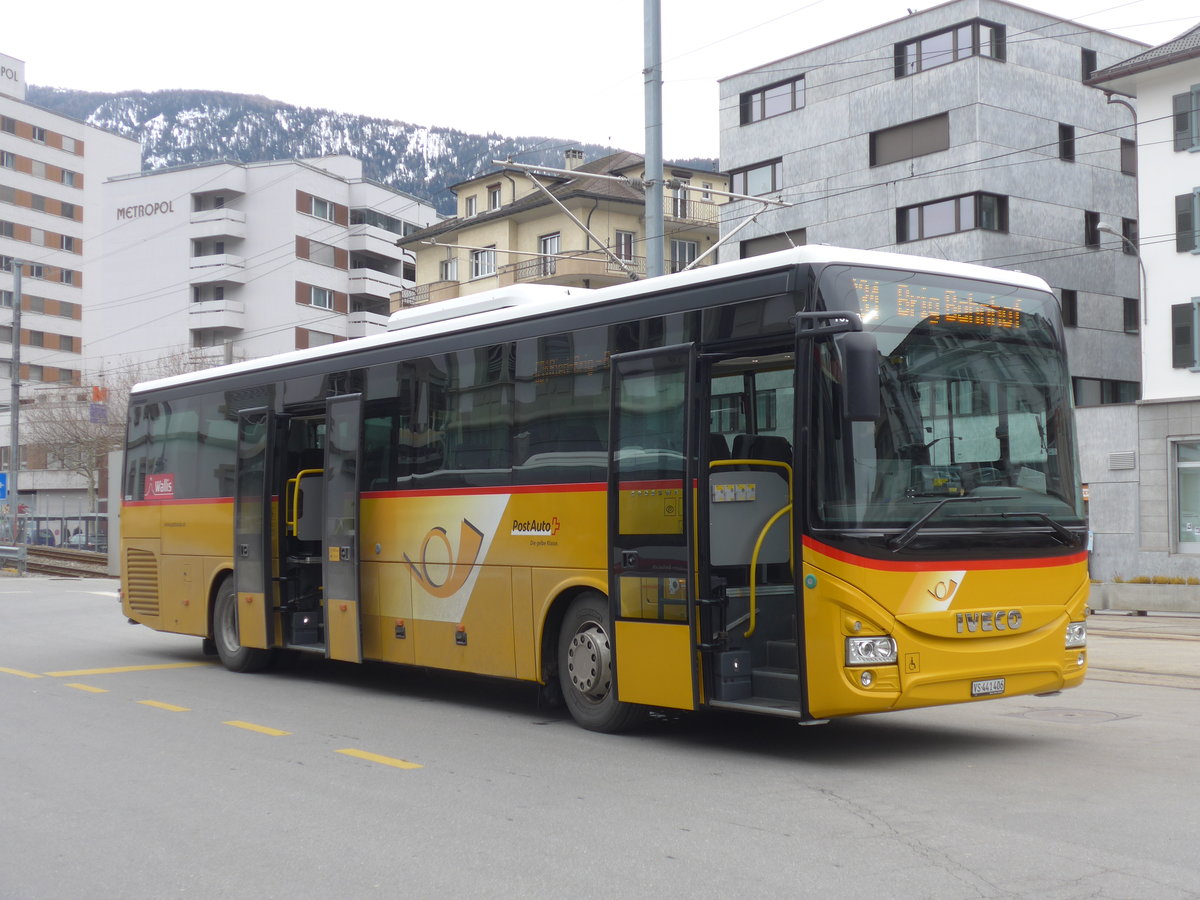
(1108, 228)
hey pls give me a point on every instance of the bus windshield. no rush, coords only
(974, 408)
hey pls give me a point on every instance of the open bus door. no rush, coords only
(340, 531)
(650, 524)
(252, 528)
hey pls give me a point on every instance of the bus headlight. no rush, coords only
(1076, 635)
(870, 651)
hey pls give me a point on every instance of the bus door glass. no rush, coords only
(650, 525)
(343, 632)
(252, 529)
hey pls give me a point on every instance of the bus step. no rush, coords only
(783, 655)
(776, 683)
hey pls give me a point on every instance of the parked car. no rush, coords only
(81, 542)
(43, 537)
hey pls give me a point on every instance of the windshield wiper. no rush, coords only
(1064, 534)
(902, 540)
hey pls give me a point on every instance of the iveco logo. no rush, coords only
(993, 620)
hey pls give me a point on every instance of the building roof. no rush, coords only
(564, 187)
(1120, 77)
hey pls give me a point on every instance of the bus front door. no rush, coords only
(253, 518)
(650, 523)
(340, 531)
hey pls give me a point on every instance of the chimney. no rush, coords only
(574, 159)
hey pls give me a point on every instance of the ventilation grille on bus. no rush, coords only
(141, 582)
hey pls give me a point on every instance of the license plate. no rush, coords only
(987, 688)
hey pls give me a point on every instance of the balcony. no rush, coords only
(218, 267)
(216, 314)
(433, 292)
(377, 242)
(697, 212)
(574, 271)
(215, 223)
(361, 324)
(374, 283)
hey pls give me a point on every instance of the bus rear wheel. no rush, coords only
(233, 655)
(585, 668)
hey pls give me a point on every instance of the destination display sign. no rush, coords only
(897, 302)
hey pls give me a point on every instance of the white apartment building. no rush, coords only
(1157, 565)
(51, 171)
(228, 261)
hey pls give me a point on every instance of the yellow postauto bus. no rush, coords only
(817, 483)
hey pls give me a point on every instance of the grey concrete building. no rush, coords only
(967, 132)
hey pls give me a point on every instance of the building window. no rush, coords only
(1069, 303)
(67, 276)
(1186, 221)
(8, 160)
(773, 100)
(469, 206)
(974, 38)
(1091, 228)
(1102, 391)
(1129, 231)
(623, 245)
(548, 246)
(1186, 116)
(494, 197)
(1128, 157)
(770, 243)
(1129, 310)
(322, 209)
(7, 124)
(39, 134)
(68, 144)
(69, 178)
(321, 253)
(910, 140)
(6, 229)
(483, 262)
(683, 254)
(1087, 60)
(66, 242)
(1187, 495)
(322, 297)
(927, 220)
(67, 210)
(448, 270)
(754, 181)
(1066, 142)
(1184, 333)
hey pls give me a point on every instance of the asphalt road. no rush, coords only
(131, 767)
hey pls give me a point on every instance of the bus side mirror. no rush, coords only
(858, 353)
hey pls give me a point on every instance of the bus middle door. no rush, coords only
(650, 524)
(340, 528)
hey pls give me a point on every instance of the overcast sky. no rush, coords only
(562, 70)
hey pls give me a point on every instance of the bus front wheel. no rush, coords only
(585, 668)
(233, 655)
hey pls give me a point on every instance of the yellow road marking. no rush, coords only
(117, 670)
(88, 688)
(261, 729)
(167, 706)
(19, 672)
(382, 760)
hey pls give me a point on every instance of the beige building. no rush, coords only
(574, 229)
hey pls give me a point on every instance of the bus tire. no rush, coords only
(585, 668)
(233, 655)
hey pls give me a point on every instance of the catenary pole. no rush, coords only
(654, 161)
(14, 404)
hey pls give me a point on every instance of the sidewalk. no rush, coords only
(1152, 649)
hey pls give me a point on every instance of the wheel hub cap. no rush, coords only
(589, 661)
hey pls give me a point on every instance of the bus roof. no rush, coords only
(531, 301)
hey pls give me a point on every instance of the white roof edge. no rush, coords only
(502, 298)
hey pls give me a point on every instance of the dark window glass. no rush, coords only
(1129, 231)
(1183, 350)
(1066, 142)
(1129, 306)
(1183, 108)
(1091, 229)
(1128, 156)
(1185, 223)
(1070, 307)
(1088, 63)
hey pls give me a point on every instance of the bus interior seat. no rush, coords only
(762, 446)
(718, 446)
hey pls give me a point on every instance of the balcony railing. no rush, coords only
(223, 222)
(570, 270)
(425, 293)
(700, 212)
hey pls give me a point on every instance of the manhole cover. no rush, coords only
(1072, 716)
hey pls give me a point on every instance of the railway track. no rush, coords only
(65, 563)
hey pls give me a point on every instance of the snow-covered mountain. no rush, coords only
(179, 127)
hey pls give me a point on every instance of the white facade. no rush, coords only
(51, 171)
(236, 261)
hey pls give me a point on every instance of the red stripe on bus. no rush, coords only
(940, 565)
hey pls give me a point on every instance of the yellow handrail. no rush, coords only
(291, 515)
(754, 565)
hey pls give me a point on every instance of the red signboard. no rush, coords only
(160, 487)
